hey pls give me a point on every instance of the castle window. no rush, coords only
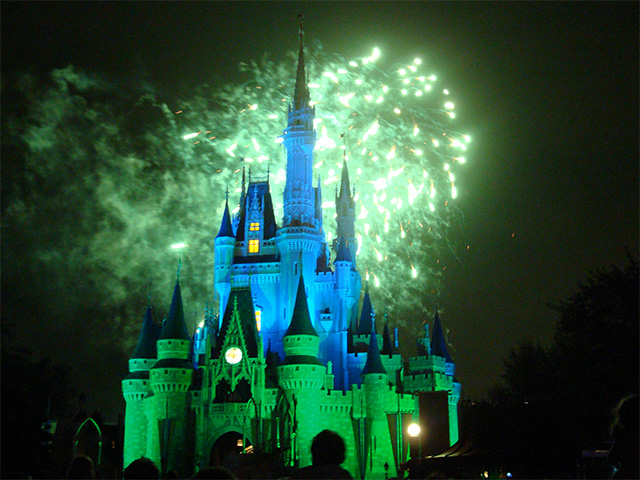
(254, 246)
(254, 227)
(258, 319)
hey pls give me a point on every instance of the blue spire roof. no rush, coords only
(174, 326)
(146, 346)
(300, 320)
(366, 323)
(226, 230)
(374, 362)
(438, 343)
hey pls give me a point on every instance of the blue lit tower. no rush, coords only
(225, 243)
(300, 239)
(346, 216)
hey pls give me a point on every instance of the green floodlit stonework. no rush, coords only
(291, 352)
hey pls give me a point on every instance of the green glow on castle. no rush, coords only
(292, 350)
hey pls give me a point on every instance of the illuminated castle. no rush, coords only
(292, 351)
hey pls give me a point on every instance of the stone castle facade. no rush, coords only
(292, 351)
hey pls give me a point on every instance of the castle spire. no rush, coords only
(226, 230)
(175, 326)
(366, 323)
(438, 343)
(301, 95)
(300, 320)
(146, 346)
(374, 362)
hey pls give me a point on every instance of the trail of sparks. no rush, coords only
(402, 151)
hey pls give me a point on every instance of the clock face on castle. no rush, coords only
(233, 355)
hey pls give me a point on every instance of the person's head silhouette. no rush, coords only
(327, 448)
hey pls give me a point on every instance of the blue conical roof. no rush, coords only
(438, 343)
(374, 362)
(226, 230)
(146, 346)
(300, 320)
(174, 326)
(366, 323)
(344, 255)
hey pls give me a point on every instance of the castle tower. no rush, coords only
(170, 380)
(225, 243)
(447, 382)
(346, 215)
(377, 442)
(432, 372)
(302, 375)
(135, 387)
(301, 234)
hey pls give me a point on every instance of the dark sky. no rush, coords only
(549, 94)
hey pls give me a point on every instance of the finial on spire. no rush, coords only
(301, 95)
(343, 136)
(226, 193)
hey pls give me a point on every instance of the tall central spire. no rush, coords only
(301, 95)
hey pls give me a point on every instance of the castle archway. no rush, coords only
(226, 449)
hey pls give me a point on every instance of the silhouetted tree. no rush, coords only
(557, 400)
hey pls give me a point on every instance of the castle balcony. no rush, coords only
(241, 409)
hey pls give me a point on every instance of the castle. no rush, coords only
(292, 351)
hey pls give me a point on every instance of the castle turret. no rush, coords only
(135, 387)
(432, 370)
(377, 395)
(225, 243)
(302, 375)
(346, 215)
(170, 380)
(299, 139)
(300, 239)
(439, 350)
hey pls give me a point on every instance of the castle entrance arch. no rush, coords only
(226, 450)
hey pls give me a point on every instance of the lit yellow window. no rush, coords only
(254, 227)
(258, 319)
(254, 246)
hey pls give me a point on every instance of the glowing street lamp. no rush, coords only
(414, 431)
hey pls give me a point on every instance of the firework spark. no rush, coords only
(401, 144)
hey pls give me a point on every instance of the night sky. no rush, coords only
(548, 93)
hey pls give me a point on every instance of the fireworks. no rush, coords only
(402, 151)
